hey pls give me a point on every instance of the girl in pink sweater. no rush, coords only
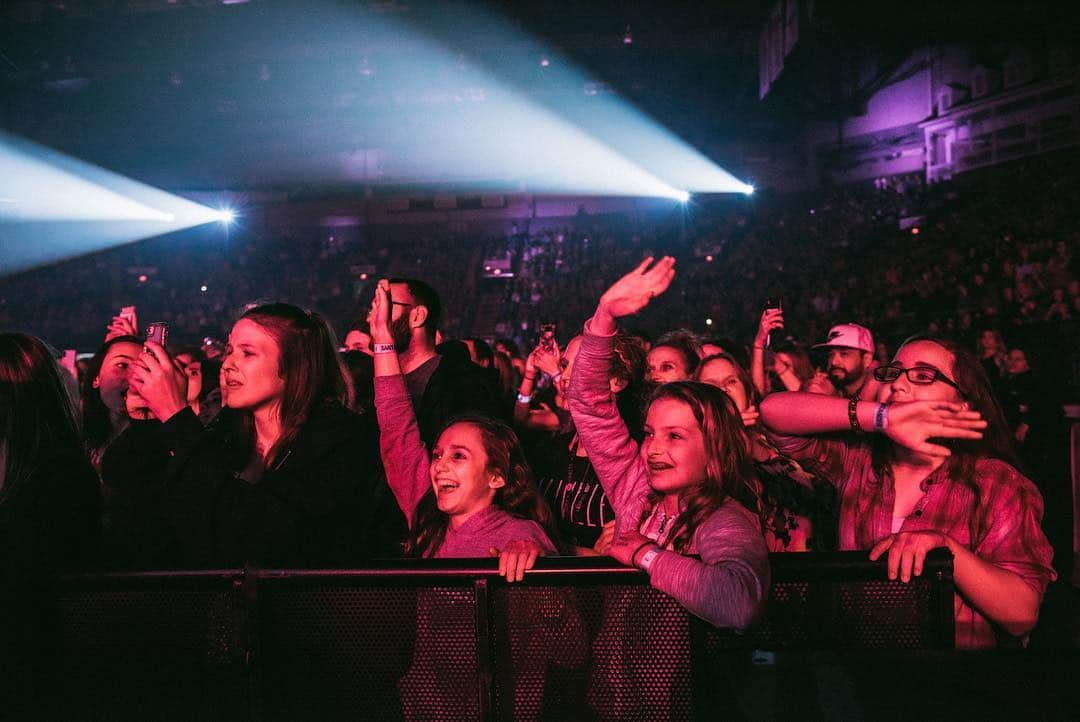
(678, 493)
(473, 496)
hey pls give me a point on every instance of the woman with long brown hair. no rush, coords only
(931, 465)
(286, 474)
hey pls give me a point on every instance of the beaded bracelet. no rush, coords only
(852, 414)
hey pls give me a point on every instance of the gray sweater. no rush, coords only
(727, 586)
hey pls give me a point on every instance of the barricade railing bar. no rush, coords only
(578, 638)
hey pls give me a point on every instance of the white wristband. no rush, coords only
(648, 558)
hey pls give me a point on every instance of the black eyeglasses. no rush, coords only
(401, 303)
(921, 375)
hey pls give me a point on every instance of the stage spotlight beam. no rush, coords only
(55, 207)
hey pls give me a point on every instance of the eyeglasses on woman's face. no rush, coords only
(920, 375)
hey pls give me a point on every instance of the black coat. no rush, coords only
(457, 387)
(52, 524)
(317, 506)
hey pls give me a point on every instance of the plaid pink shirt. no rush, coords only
(1003, 527)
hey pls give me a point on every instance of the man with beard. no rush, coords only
(849, 364)
(441, 384)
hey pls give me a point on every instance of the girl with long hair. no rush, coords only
(797, 507)
(473, 494)
(285, 472)
(932, 467)
(678, 492)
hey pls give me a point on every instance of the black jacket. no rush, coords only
(316, 507)
(457, 387)
(52, 524)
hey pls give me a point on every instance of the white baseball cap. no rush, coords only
(849, 335)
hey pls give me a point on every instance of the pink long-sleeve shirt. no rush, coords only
(406, 461)
(727, 586)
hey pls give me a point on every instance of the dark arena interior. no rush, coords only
(475, 360)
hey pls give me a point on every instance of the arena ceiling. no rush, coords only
(194, 93)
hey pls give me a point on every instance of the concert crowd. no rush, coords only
(875, 373)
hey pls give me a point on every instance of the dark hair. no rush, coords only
(728, 468)
(361, 369)
(517, 497)
(752, 395)
(628, 365)
(686, 343)
(425, 296)
(97, 426)
(310, 366)
(974, 387)
(482, 350)
(510, 346)
(37, 412)
(800, 360)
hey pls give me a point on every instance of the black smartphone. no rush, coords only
(547, 335)
(158, 332)
(772, 302)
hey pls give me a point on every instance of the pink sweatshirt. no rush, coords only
(728, 585)
(406, 461)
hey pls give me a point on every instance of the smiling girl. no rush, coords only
(675, 494)
(474, 493)
(935, 469)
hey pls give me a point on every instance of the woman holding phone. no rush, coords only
(285, 476)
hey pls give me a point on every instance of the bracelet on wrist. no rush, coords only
(647, 559)
(853, 415)
(633, 557)
(881, 418)
(383, 348)
(524, 398)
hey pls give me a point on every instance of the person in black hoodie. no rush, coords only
(286, 476)
(50, 516)
(442, 381)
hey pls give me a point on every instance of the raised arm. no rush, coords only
(910, 424)
(613, 453)
(772, 319)
(404, 455)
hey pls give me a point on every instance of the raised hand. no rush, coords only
(772, 319)
(160, 382)
(122, 326)
(544, 358)
(632, 292)
(380, 313)
(913, 423)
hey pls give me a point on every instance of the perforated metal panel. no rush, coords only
(367, 653)
(161, 651)
(609, 653)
